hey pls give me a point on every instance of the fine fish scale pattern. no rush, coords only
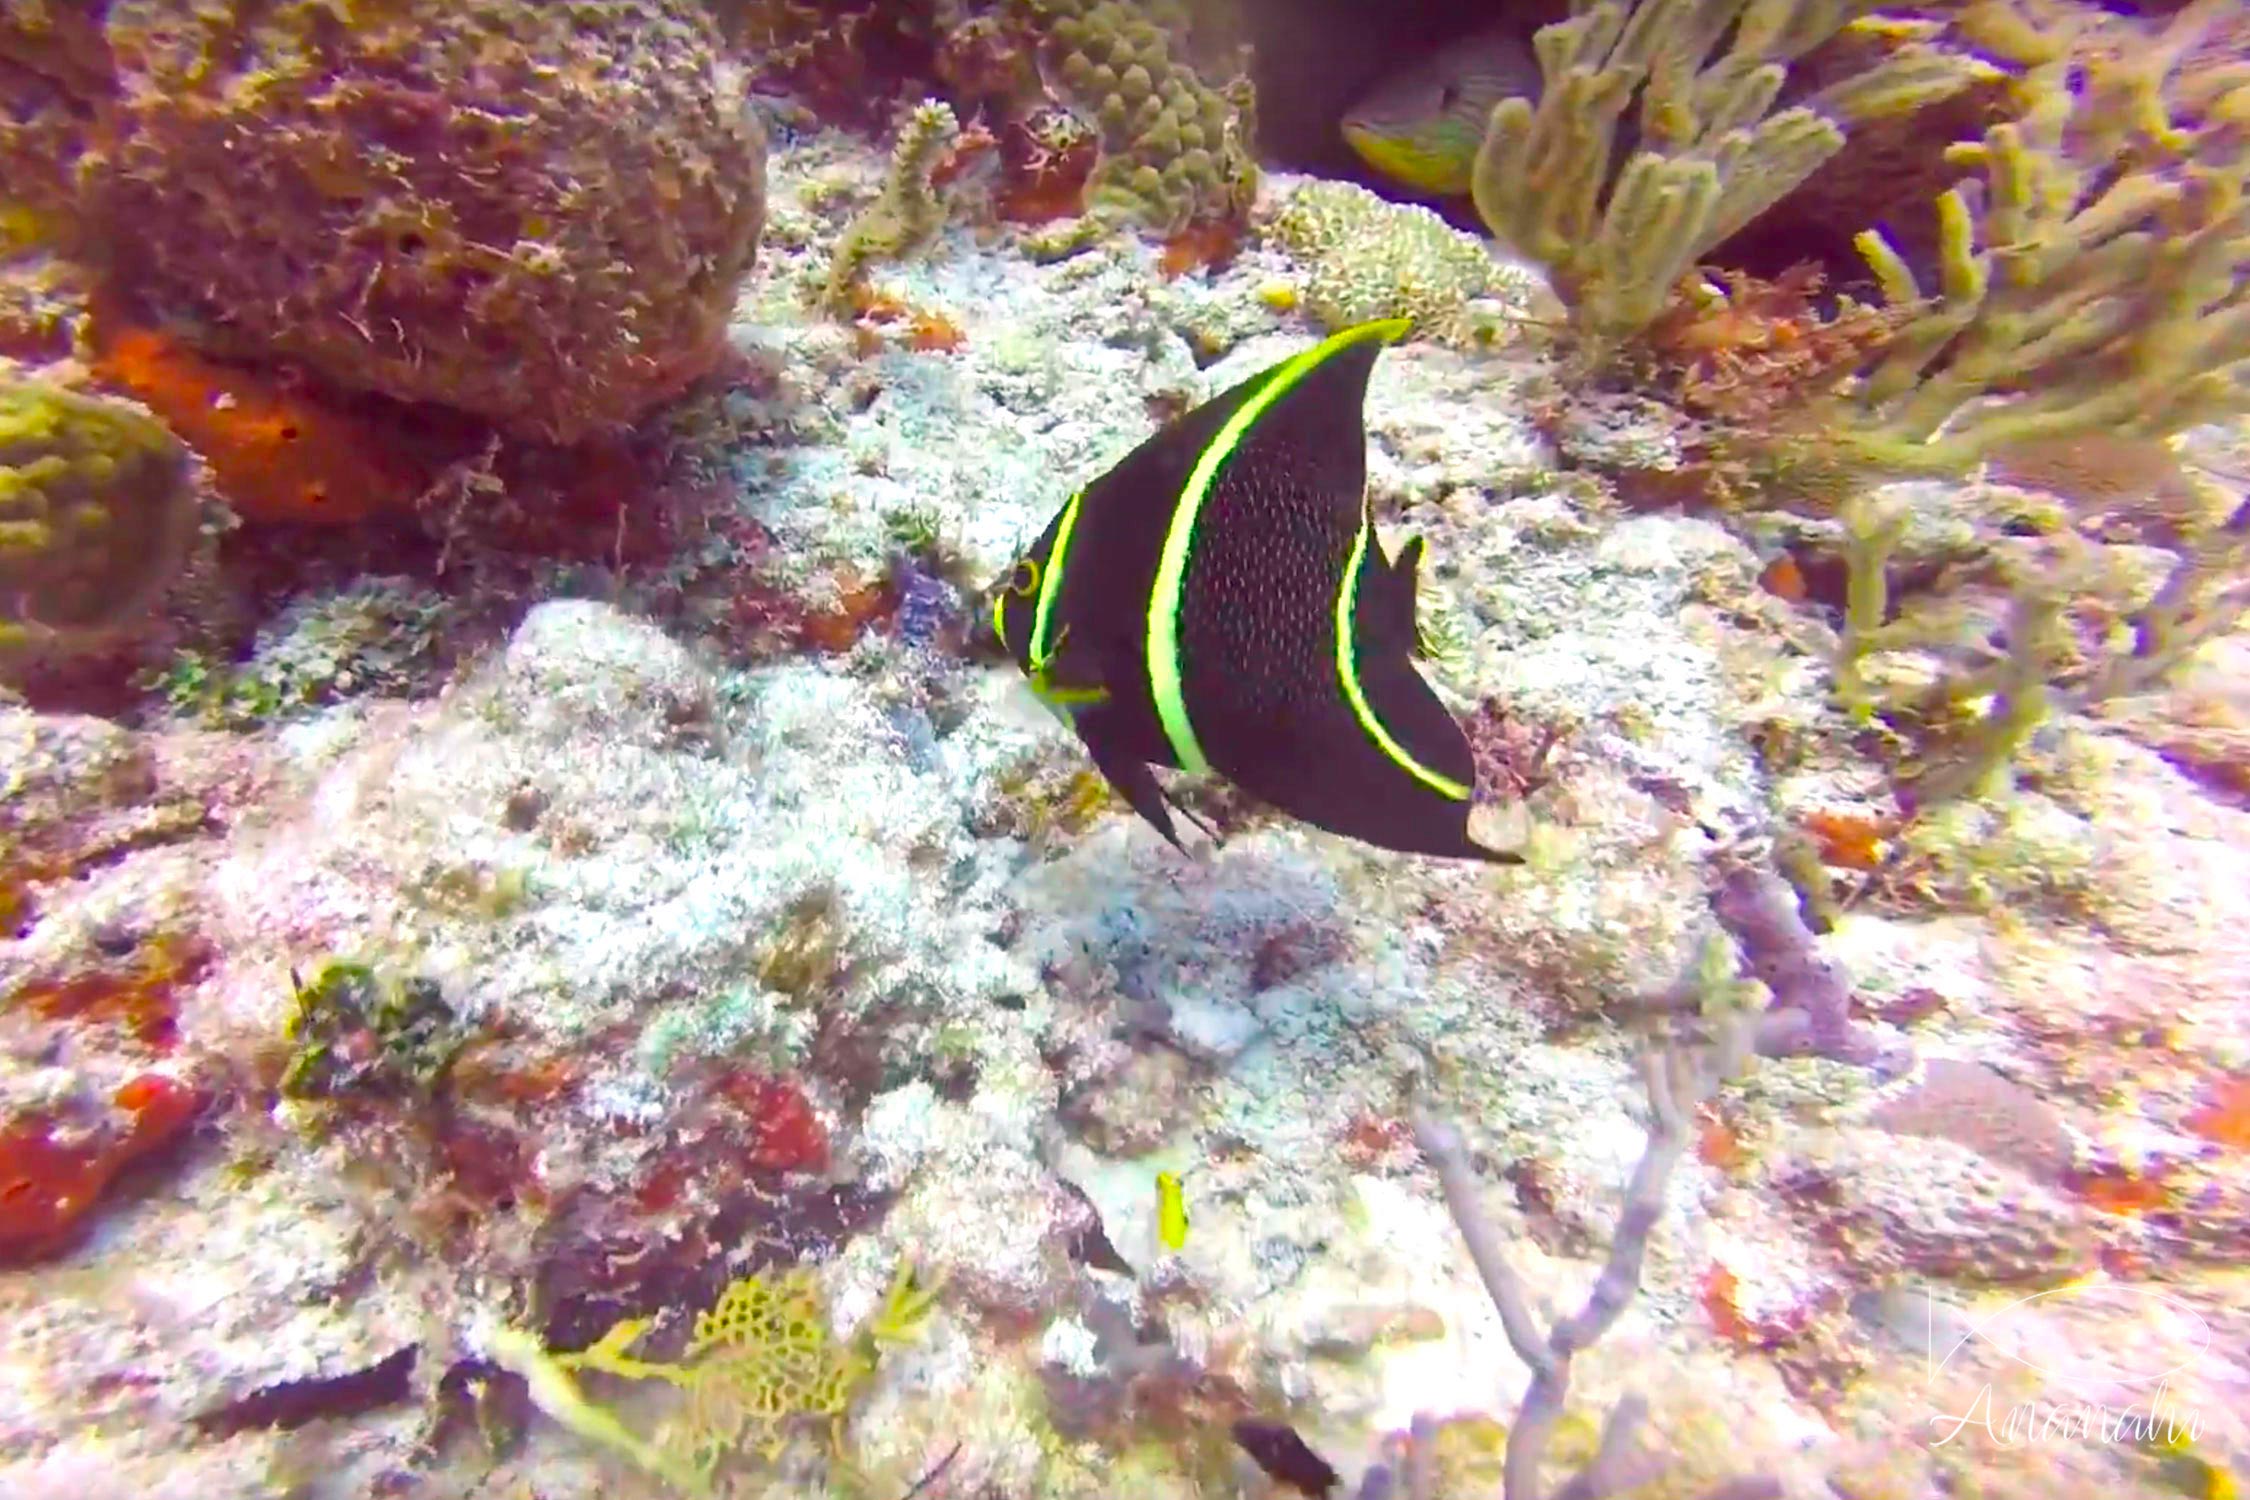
(1257, 630)
(1257, 620)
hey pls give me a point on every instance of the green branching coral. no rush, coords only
(1712, 151)
(2100, 271)
(1368, 258)
(1174, 150)
(910, 212)
(761, 1361)
(98, 513)
(2096, 281)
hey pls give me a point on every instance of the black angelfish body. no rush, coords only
(1219, 600)
(1286, 1457)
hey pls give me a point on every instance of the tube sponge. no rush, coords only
(98, 511)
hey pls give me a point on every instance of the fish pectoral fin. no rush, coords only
(1069, 679)
(1137, 784)
(1190, 814)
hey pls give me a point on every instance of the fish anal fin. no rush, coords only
(1405, 608)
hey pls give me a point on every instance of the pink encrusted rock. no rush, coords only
(1971, 1105)
(535, 213)
(1940, 1209)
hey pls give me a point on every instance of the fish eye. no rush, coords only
(1024, 581)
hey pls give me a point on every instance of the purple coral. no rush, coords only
(1812, 1000)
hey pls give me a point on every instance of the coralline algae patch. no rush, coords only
(691, 964)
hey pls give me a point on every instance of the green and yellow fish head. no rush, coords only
(1421, 127)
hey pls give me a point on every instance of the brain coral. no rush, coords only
(98, 511)
(534, 212)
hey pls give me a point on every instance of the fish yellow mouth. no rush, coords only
(1401, 159)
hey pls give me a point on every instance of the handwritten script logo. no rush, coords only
(2102, 1394)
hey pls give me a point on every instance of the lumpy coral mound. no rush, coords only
(536, 213)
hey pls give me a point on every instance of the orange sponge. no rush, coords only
(276, 453)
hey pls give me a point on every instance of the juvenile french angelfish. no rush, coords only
(1219, 601)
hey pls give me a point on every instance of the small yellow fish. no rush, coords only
(1171, 1212)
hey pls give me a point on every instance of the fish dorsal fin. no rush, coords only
(1310, 430)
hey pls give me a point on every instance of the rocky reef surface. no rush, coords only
(481, 966)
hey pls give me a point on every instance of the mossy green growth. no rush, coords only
(761, 1362)
(352, 1029)
(98, 512)
(379, 635)
(907, 217)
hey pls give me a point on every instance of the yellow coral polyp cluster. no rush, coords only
(1368, 258)
(1174, 150)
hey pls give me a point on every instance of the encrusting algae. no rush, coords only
(738, 715)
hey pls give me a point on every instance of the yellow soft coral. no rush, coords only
(1713, 150)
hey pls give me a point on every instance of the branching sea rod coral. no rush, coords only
(2095, 281)
(1678, 1081)
(2098, 275)
(1712, 152)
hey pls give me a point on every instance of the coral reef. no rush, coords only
(1372, 259)
(535, 215)
(2100, 300)
(100, 508)
(731, 955)
(1174, 149)
(1710, 155)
